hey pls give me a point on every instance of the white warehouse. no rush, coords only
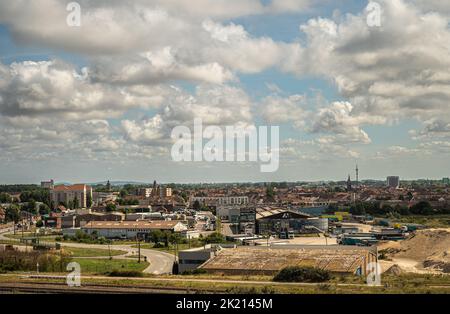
(131, 229)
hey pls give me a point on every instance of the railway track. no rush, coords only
(61, 288)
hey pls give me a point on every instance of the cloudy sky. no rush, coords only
(99, 101)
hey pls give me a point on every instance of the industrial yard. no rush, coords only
(270, 260)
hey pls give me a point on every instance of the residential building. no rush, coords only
(220, 200)
(70, 194)
(103, 197)
(393, 182)
(2, 214)
(47, 184)
(166, 192)
(145, 192)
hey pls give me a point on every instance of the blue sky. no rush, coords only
(99, 102)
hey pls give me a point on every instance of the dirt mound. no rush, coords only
(439, 262)
(394, 270)
(430, 248)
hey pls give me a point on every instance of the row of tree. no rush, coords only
(375, 208)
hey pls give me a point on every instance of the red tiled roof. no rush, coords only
(75, 187)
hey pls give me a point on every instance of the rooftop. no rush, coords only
(275, 259)
(75, 187)
(167, 225)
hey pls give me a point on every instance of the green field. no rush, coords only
(170, 249)
(102, 266)
(403, 284)
(83, 252)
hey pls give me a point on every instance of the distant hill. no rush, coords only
(119, 183)
(113, 183)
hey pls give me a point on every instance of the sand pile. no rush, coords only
(394, 270)
(430, 248)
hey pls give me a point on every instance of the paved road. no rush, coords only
(160, 262)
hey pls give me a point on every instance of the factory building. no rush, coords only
(131, 229)
(270, 221)
(255, 260)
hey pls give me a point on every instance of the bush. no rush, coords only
(302, 274)
(198, 271)
(26, 261)
(125, 273)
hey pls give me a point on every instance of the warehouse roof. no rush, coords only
(265, 212)
(274, 259)
(158, 224)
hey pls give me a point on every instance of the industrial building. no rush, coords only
(131, 229)
(193, 258)
(275, 220)
(270, 260)
(241, 219)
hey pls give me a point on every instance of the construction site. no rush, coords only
(425, 251)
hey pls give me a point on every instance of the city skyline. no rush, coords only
(98, 101)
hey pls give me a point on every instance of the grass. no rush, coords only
(438, 221)
(170, 249)
(403, 284)
(84, 252)
(104, 266)
(18, 236)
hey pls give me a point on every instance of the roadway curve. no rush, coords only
(160, 262)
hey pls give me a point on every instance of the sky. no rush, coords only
(99, 100)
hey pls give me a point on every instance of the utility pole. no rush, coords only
(61, 258)
(139, 251)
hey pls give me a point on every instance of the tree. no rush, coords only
(5, 198)
(111, 207)
(302, 274)
(166, 238)
(175, 238)
(358, 209)
(270, 193)
(422, 208)
(76, 203)
(215, 237)
(30, 207)
(156, 236)
(197, 206)
(44, 209)
(89, 201)
(12, 214)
